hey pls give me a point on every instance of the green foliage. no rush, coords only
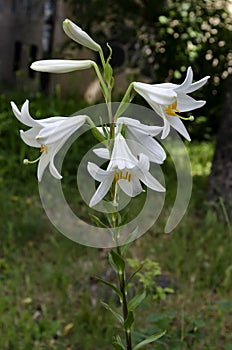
(117, 262)
(48, 301)
(162, 38)
(149, 340)
(147, 276)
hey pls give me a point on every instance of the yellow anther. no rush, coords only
(44, 148)
(124, 177)
(120, 176)
(116, 177)
(171, 109)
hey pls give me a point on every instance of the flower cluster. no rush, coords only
(129, 145)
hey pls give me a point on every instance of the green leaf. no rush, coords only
(97, 221)
(117, 346)
(130, 238)
(134, 303)
(129, 321)
(117, 262)
(134, 273)
(117, 343)
(108, 73)
(111, 285)
(149, 340)
(115, 313)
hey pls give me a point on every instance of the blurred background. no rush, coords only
(47, 298)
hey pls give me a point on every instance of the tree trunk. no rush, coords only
(220, 179)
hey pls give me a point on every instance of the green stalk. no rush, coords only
(104, 88)
(122, 285)
(102, 58)
(126, 99)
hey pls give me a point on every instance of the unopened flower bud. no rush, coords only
(78, 35)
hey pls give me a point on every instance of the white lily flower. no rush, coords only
(168, 99)
(126, 170)
(78, 35)
(61, 66)
(139, 136)
(48, 134)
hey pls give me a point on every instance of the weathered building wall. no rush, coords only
(26, 36)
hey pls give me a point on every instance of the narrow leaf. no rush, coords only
(117, 343)
(116, 314)
(118, 261)
(134, 303)
(149, 340)
(111, 285)
(130, 238)
(129, 321)
(97, 221)
(134, 273)
(117, 346)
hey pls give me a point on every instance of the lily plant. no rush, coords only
(129, 148)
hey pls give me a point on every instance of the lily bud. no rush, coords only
(61, 66)
(78, 35)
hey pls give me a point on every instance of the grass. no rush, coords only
(50, 300)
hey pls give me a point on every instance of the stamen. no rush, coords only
(116, 177)
(120, 176)
(171, 110)
(27, 161)
(44, 148)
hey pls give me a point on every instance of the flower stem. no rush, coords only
(126, 99)
(122, 285)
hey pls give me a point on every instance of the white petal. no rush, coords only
(146, 144)
(197, 85)
(168, 86)
(126, 187)
(29, 137)
(51, 120)
(155, 93)
(166, 129)
(53, 133)
(136, 124)
(60, 66)
(78, 35)
(43, 163)
(97, 173)
(122, 157)
(136, 185)
(54, 171)
(16, 111)
(102, 153)
(177, 124)
(144, 162)
(102, 190)
(151, 182)
(186, 103)
(53, 150)
(24, 116)
(187, 82)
